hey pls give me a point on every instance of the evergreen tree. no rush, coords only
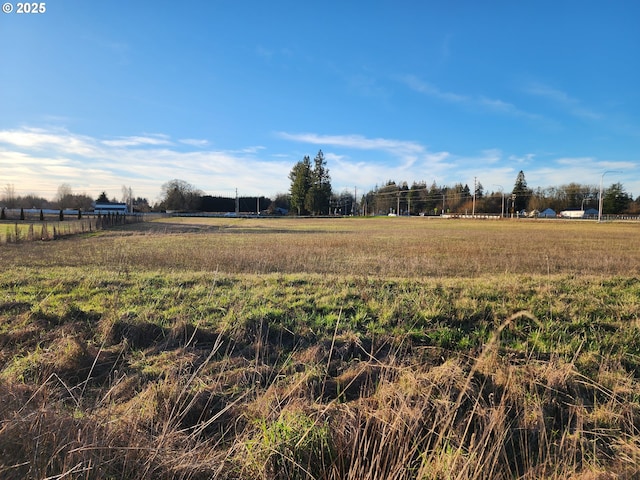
(521, 193)
(103, 198)
(301, 181)
(311, 186)
(319, 194)
(417, 197)
(41, 215)
(615, 199)
(22, 214)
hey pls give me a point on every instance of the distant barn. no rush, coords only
(105, 208)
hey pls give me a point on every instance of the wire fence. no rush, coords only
(48, 227)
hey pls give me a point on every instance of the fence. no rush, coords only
(52, 228)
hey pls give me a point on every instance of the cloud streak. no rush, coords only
(563, 101)
(358, 142)
(41, 139)
(492, 105)
(426, 88)
(154, 140)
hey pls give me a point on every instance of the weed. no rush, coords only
(291, 446)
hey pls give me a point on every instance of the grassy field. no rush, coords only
(384, 348)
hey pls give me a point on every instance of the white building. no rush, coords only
(110, 207)
(572, 214)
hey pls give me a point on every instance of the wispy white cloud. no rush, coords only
(583, 170)
(39, 160)
(249, 150)
(139, 141)
(575, 161)
(492, 155)
(38, 139)
(562, 100)
(522, 159)
(483, 102)
(426, 88)
(626, 166)
(194, 142)
(506, 108)
(359, 142)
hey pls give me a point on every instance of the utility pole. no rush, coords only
(237, 204)
(600, 199)
(502, 193)
(473, 210)
(355, 201)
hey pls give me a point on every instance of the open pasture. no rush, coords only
(382, 348)
(390, 247)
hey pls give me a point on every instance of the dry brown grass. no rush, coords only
(393, 247)
(154, 352)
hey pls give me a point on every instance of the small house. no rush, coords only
(547, 213)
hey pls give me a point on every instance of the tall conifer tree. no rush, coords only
(318, 196)
(521, 193)
(300, 177)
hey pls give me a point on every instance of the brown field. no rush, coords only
(360, 349)
(390, 247)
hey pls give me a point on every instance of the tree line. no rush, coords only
(311, 193)
(66, 199)
(420, 198)
(176, 195)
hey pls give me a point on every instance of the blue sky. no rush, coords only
(231, 94)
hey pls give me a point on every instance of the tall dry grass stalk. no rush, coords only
(389, 416)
